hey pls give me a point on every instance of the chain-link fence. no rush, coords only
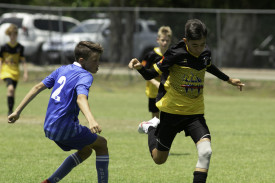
(237, 38)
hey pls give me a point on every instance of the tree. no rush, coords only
(225, 4)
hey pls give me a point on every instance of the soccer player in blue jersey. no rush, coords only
(71, 84)
(180, 97)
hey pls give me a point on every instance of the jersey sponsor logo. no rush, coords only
(192, 82)
(192, 86)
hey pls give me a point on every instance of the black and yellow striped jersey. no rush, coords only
(149, 60)
(11, 56)
(182, 80)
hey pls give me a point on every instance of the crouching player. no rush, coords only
(71, 84)
(180, 97)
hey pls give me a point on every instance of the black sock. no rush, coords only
(152, 142)
(10, 104)
(199, 177)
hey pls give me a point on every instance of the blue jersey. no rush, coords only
(61, 121)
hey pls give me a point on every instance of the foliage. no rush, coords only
(227, 4)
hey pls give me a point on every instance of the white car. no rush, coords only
(35, 29)
(98, 30)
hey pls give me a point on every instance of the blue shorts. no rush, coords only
(86, 137)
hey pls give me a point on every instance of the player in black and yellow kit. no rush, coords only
(180, 97)
(11, 54)
(164, 40)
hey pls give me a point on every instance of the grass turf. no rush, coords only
(241, 124)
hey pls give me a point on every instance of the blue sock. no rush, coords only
(102, 163)
(69, 163)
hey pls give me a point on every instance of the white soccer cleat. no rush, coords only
(143, 126)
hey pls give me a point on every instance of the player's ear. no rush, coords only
(81, 60)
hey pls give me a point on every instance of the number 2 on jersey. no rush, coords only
(61, 81)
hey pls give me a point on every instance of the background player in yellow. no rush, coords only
(164, 40)
(11, 54)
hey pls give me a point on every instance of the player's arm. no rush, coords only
(218, 73)
(83, 104)
(147, 74)
(155, 82)
(27, 99)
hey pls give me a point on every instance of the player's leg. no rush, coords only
(11, 85)
(159, 156)
(153, 108)
(202, 166)
(68, 164)
(204, 155)
(82, 142)
(201, 136)
(102, 159)
(155, 114)
(160, 136)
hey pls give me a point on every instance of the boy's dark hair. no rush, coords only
(84, 49)
(195, 30)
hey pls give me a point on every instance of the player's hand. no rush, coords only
(13, 117)
(95, 128)
(135, 64)
(236, 82)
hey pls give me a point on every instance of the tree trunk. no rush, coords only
(127, 43)
(237, 39)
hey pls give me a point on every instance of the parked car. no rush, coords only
(98, 30)
(4, 38)
(35, 29)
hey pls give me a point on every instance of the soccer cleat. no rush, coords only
(143, 126)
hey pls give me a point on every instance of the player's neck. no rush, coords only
(163, 50)
(13, 42)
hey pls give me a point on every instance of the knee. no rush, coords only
(10, 90)
(85, 153)
(159, 158)
(159, 161)
(204, 153)
(103, 143)
(100, 146)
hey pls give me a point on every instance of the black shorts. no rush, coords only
(152, 105)
(171, 124)
(9, 81)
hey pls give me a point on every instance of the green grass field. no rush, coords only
(241, 124)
